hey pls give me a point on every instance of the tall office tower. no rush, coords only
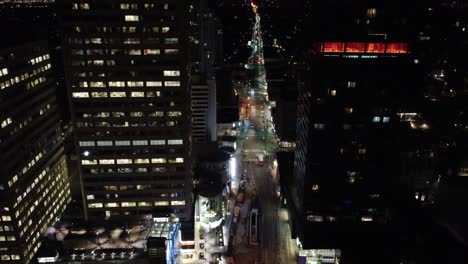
(127, 74)
(347, 179)
(206, 57)
(34, 188)
(204, 111)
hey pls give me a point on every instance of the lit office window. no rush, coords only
(88, 162)
(134, 84)
(80, 95)
(116, 84)
(99, 94)
(319, 126)
(84, 6)
(351, 84)
(181, 202)
(134, 52)
(117, 94)
(124, 161)
(141, 161)
(89, 197)
(122, 143)
(367, 219)
(371, 12)
(86, 143)
(348, 110)
(157, 142)
(6, 122)
(4, 72)
(171, 40)
(171, 51)
(151, 51)
(138, 94)
(144, 204)
(128, 204)
(95, 205)
(165, 29)
(97, 84)
(172, 83)
(171, 73)
(161, 203)
(315, 218)
(106, 161)
(112, 205)
(175, 142)
(158, 160)
(153, 84)
(140, 142)
(131, 18)
(376, 119)
(174, 113)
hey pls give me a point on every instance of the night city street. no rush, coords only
(233, 132)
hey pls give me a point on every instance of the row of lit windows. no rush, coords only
(6, 228)
(39, 59)
(123, 6)
(36, 181)
(146, 6)
(131, 161)
(126, 187)
(25, 169)
(6, 122)
(98, 84)
(141, 187)
(119, 51)
(132, 114)
(55, 206)
(35, 82)
(48, 203)
(116, 94)
(134, 40)
(136, 170)
(5, 218)
(24, 76)
(136, 18)
(118, 29)
(9, 257)
(3, 72)
(160, 142)
(7, 238)
(135, 204)
(128, 124)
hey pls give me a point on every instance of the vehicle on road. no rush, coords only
(201, 255)
(260, 160)
(240, 198)
(236, 213)
(253, 227)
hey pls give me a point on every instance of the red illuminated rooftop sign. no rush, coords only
(363, 47)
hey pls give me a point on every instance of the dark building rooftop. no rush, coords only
(187, 231)
(210, 184)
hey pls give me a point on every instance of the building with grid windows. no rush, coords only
(347, 178)
(34, 188)
(127, 74)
